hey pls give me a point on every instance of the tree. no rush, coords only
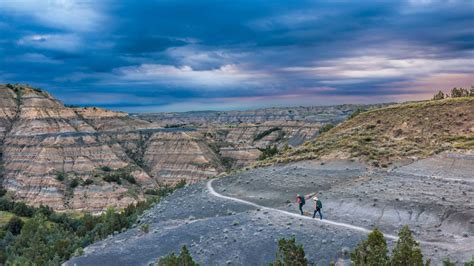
(14, 225)
(184, 259)
(406, 250)
(470, 263)
(371, 252)
(455, 92)
(290, 254)
(438, 96)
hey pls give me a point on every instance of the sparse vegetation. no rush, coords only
(117, 175)
(268, 152)
(356, 113)
(45, 237)
(60, 176)
(395, 133)
(265, 133)
(455, 93)
(105, 168)
(325, 128)
(290, 254)
(184, 259)
(145, 228)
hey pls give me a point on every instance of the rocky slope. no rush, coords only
(396, 134)
(241, 224)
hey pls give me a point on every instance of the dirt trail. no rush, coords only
(213, 192)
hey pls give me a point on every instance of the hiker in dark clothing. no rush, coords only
(301, 202)
(317, 207)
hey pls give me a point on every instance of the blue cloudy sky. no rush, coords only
(178, 55)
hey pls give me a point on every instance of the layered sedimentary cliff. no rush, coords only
(91, 158)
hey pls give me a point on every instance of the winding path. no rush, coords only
(213, 192)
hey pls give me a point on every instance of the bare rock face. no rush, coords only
(49, 152)
(88, 159)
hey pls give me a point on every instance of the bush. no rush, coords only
(184, 259)
(21, 209)
(145, 228)
(112, 178)
(265, 133)
(60, 176)
(290, 253)
(14, 225)
(356, 113)
(88, 182)
(407, 250)
(448, 262)
(105, 168)
(2, 192)
(268, 152)
(438, 96)
(74, 183)
(130, 179)
(325, 128)
(371, 252)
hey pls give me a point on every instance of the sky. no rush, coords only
(181, 55)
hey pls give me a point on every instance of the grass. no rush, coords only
(6, 216)
(394, 133)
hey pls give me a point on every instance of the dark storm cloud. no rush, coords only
(173, 55)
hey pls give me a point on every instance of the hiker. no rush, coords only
(317, 207)
(301, 202)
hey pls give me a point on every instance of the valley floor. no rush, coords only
(237, 220)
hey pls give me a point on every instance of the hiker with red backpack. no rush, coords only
(318, 205)
(301, 200)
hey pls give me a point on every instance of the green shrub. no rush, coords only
(105, 168)
(145, 228)
(112, 178)
(447, 262)
(14, 225)
(268, 152)
(356, 112)
(470, 263)
(21, 209)
(60, 176)
(184, 259)
(130, 179)
(2, 192)
(371, 252)
(290, 253)
(74, 183)
(265, 133)
(406, 250)
(325, 128)
(88, 182)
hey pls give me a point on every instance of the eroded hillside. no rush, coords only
(87, 159)
(395, 134)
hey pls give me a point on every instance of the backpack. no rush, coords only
(319, 204)
(303, 202)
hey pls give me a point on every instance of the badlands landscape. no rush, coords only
(378, 166)
(238, 219)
